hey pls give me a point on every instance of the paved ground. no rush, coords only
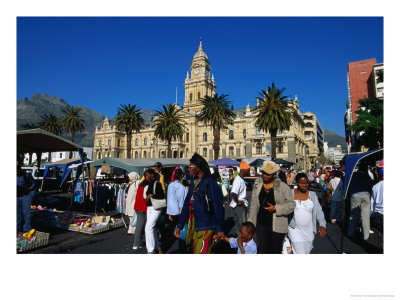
(117, 241)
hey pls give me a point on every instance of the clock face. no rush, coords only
(196, 71)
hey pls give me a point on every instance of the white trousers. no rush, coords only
(150, 230)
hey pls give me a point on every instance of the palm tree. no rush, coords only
(273, 114)
(129, 119)
(217, 114)
(30, 125)
(73, 121)
(169, 124)
(51, 124)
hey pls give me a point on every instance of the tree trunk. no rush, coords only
(169, 150)
(72, 134)
(30, 158)
(128, 144)
(216, 142)
(273, 145)
(49, 157)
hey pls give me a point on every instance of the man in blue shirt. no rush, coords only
(25, 193)
(176, 195)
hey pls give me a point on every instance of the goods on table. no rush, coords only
(31, 240)
(115, 223)
(71, 221)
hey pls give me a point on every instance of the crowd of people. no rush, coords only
(283, 204)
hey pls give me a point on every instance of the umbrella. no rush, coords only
(257, 163)
(225, 162)
(280, 161)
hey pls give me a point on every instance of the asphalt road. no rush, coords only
(118, 241)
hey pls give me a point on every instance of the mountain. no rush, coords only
(30, 110)
(334, 139)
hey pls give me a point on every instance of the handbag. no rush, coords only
(134, 220)
(157, 203)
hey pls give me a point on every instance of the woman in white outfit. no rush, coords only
(308, 211)
(134, 179)
(153, 190)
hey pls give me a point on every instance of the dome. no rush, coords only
(200, 53)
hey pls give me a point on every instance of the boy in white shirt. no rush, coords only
(239, 202)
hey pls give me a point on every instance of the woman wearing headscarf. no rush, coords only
(131, 191)
(303, 226)
(203, 208)
(271, 203)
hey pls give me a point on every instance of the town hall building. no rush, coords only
(241, 140)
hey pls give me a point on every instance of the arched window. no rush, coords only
(191, 97)
(198, 95)
(145, 141)
(258, 148)
(204, 152)
(244, 133)
(231, 151)
(137, 142)
(187, 137)
(231, 135)
(258, 130)
(175, 154)
(119, 143)
(244, 151)
(109, 142)
(181, 154)
(136, 154)
(144, 154)
(98, 155)
(205, 137)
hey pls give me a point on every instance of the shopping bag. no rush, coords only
(286, 246)
(183, 232)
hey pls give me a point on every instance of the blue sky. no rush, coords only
(104, 62)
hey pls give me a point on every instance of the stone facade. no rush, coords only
(314, 137)
(241, 140)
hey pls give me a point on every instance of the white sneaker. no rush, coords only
(136, 247)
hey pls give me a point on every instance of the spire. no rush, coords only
(212, 78)
(200, 46)
(187, 75)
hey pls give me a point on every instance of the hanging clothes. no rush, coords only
(121, 201)
(78, 191)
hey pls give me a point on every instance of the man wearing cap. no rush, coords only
(238, 192)
(203, 208)
(159, 177)
(271, 203)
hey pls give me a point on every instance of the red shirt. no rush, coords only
(140, 202)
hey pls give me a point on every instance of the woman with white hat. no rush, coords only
(130, 198)
(271, 203)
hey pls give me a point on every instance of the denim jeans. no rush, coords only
(24, 212)
(240, 213)
(360, 207)
(141, 220)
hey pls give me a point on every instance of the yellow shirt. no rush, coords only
(161, 180)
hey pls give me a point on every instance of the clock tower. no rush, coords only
(199, 83)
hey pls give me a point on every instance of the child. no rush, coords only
(244, 242)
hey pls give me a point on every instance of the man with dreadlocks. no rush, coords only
(203, 208)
